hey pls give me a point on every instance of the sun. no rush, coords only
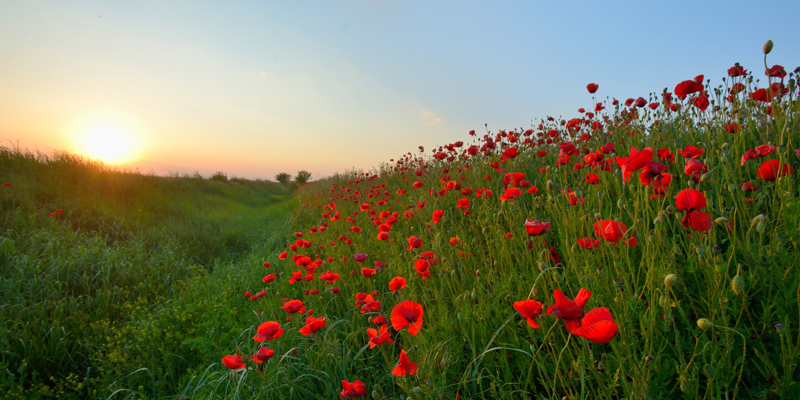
(108, 140)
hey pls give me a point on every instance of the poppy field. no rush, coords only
(645, 247)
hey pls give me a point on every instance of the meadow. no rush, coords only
(643, 248)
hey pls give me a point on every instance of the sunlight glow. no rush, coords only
(108, 140)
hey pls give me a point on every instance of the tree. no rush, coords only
(302, 177)
(283, 177)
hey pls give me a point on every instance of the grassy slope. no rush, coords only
(474, 344)
(117, 280)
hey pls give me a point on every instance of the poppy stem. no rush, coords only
(558, 361)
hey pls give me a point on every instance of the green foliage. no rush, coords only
(302, 177)
(219, 176)
(283, 177)
(116, 282)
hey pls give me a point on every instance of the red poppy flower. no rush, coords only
(593, 179)
(414, 242)
(687, 87)
(7, 184)
(407, 313)
(233, 361)
(283, 255)
(313, 324)
(397, 283)
(511, 194)
(268, 278)
(379, 320)
(510, 153)
(405, 366)
(367, 272)
(770, 170)
(422, 268)
(610, 230)
(701, 102)
(690, 200)
(359, 257)
(635, 161)
(533, 190)
(736, 70)
(776, 71)
(263, 355)
(536, 228)
(691, 152)
(607, 148)
(592, 87)
(383, 236)
(378, 337)
(268, 331)
(329, 277)
(455, 241)
(294, 306)
(588, 243)
(354, 390)
(437, 216)
(529, 309)
(641, 102)
(597, 326)
(567, 309)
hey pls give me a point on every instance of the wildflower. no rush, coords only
(354, 390)
(414, 242)
(529, 309)
(536, 228)
(770, 170)
(263, 355)
(588, 243)
(367, 272)
(422, 268)
(437, 216)
(268, 331)
(635, 161)
(313, 324)
(267, 279)
(294, 306)
(610, 230)
(378, 337)
(592, 87)
(407, 313)
(397, 283)
(511, 194)
(567, 309)
(359, 257)
(233, 361)
(691, 152)
(597, 326)
(691, 201)
(405, 366)
(455, 241)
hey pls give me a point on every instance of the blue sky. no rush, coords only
(253, 88)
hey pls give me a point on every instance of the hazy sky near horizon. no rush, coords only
(254, 88)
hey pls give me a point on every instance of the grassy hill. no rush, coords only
(102, 268)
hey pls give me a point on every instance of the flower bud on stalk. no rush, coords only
(671, 280)
(768, 47)
(737, 285)
(704, 324)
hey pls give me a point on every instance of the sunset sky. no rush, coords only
(254, 88)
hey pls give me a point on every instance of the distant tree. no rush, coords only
(283, 177)
(219, 176)
(302, 177)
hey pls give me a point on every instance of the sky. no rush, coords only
(254, 88)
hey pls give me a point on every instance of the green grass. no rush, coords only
(106, 301)
(115, 282)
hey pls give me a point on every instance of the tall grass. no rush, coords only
(110, 282)
(741, 274)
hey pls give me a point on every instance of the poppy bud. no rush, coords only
(767, 47)
(691, 184)
(709, 370)
(737, 285)
(758, 218)
(725, 146)
(760, 226)
(549, 185)
(721, 221)
(418, 391)
(781, 329)
(706, 176)
(721, 268)
(700, 250)
(535, 290)
(558, 277)
(704, 324)
(671, 280)
(670, 209)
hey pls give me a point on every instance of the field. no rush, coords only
(646, 248)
